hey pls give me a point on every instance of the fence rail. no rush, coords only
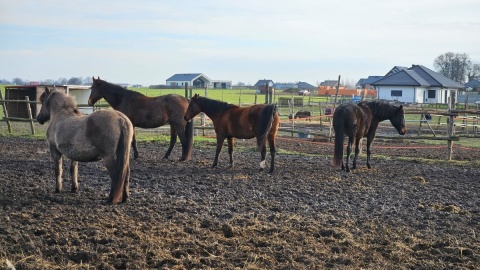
(452, 115)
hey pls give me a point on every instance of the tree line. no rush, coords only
(457, 66)
(59, 81)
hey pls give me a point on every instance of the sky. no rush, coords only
(147, 41)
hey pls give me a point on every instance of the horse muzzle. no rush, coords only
(186, 119)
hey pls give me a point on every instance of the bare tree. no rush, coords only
(18, 81)
(453, 65)
(473, 71)
(75, 81)
(61, 81)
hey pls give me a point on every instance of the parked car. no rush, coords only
(304, 92)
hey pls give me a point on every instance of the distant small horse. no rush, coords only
(359, 120)
(303, 114)
(231, 121)
(105, 134)
(148, 112)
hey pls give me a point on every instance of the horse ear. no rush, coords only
(47, 90)
(195, 96)
(401, 107)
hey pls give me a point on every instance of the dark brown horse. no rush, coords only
(359, 120)
(105, 134)
(231, 121)
(148, 112)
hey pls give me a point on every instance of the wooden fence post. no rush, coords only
(5, 113)
(451, 126)
(29, 111)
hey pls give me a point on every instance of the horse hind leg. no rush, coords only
(74, 175)
(173, 140)
(263, 154)
(357, 151)
(134, 146)
(231, 143)
(349, 151)
(271, 143)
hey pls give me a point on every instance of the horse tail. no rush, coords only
(266, 119)
(338, 127)
(122, 160)
(189, 137)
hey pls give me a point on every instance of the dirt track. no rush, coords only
(402, 214)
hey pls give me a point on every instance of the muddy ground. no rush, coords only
(410, 211)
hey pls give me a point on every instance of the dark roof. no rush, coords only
(473, 84)
(395, 69)
(186, 77)
(372, 79)
(417, 75)
(361, 82)
(329, 83)
(304, 85)
(263, 82)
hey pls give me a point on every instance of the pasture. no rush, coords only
(410, 211)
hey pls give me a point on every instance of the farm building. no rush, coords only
(416, 84)
(342, 91)
(299, 85)
(197, 80)
(261, 85)
(33, 92)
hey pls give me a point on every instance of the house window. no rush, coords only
(396, 93)
(432, 93)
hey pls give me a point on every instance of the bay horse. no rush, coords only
(148, 112)
(105, 134)
(231, 121)
(359, 120)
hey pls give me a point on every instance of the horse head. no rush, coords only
(398, 120)
(95, 93)
(44, 114)
(193, 109)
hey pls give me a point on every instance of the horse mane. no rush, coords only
(379, 109)
(212, 106)
(67, 102)
(116, 91)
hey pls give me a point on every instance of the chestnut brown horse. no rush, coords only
(148, 112)
(231, 121)
(359, 120)
(105, 134)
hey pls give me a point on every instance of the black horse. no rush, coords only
(148, 112)
(359, 120)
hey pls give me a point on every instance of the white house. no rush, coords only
(416, 84)
(195, 80)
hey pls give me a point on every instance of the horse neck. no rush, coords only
(381, 111)
(62, 110)
(213, 108)
(114, 94)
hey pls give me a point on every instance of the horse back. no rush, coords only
(240, 122)
(151, 112)
(354, 120)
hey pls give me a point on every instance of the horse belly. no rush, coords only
(80, 152)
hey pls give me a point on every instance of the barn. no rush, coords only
(416, 84)
(33, 92)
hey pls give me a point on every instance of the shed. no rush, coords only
(33, 92)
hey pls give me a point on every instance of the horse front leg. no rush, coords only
(134, 145)
(57, 165)
(220, 141)
(74, 175)
(357, 151)
(230, 142)
(369, 143)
